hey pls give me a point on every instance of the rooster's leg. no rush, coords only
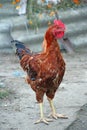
(42, 118)
(54, 114)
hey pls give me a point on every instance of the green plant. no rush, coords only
(3, 93)
(34, 10)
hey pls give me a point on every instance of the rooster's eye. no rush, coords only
(57, 27)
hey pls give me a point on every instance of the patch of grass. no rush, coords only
(3, 93)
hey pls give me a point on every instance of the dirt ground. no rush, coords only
(18, 107)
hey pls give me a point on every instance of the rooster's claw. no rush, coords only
(44, 120)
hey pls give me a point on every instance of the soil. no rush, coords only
(18, 106)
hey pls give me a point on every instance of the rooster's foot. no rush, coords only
(44, 120)
(56, 116)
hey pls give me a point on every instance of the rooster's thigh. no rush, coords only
(51, 93)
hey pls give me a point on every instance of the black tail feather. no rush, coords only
(21, 49)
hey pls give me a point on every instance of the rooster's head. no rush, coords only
(54, 32)
(58, 29)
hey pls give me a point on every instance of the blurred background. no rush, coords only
(27, 20)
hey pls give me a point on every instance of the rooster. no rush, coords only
(45, 70)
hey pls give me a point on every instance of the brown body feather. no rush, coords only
(47, 68)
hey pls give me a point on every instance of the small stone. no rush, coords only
(2, 85)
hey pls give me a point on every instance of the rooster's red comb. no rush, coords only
(59, 23)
